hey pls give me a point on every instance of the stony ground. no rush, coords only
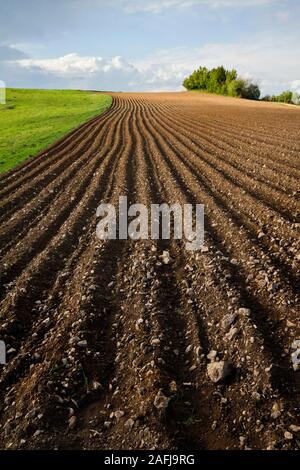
(112, 345)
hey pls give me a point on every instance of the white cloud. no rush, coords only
(73, 65)
(167, 68)
(114, 74)
(274, 63)
(295, 86)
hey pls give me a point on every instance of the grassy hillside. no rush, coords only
(33, 119)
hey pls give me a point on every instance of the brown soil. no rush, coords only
(60, 285)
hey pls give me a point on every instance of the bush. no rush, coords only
(221, 81)
(286, 97)
(251, 91)
(236, 88)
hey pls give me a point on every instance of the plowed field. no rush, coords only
(107, 346)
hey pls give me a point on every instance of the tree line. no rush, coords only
(227, 82)
(288, 97)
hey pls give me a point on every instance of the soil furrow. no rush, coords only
(110, 343)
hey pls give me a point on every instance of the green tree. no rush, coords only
(284, 97)
(251, 91)
(221, 81)
(236, 88)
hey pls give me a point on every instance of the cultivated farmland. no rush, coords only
(108, 347)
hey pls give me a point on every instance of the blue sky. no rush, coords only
(147, 45)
